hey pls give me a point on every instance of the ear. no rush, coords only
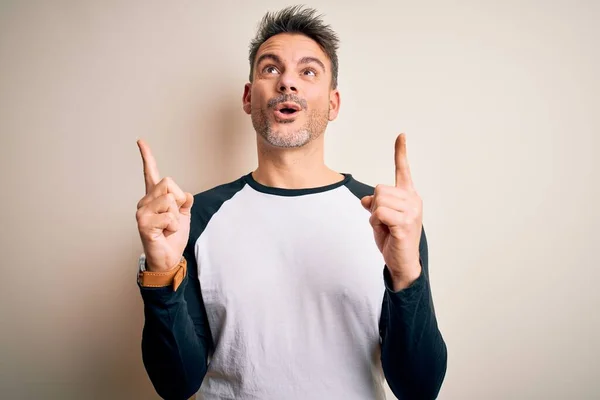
(334, 104)
(246, 98)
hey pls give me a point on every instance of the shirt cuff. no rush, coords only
(410, 293)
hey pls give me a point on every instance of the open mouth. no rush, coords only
(287, 109)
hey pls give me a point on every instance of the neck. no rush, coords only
(295, 168)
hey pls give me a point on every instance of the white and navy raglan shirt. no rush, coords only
(287, 297)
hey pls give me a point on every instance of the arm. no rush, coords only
(413, 352)
(176, 339)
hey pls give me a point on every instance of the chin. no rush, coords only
(287, 138)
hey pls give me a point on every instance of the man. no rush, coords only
(283, 284)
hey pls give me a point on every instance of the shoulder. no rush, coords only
(358, 188)
(207, 203)
(219, 194)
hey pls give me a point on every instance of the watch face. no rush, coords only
(142, 262)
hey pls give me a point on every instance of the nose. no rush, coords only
(287, 83)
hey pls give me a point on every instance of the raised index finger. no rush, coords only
(403, 178)
(151, 175)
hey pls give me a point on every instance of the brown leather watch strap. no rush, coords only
(172, 277)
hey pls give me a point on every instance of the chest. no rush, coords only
(281, 260)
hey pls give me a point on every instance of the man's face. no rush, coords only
(290, 99)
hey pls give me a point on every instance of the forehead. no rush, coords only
(292, 47)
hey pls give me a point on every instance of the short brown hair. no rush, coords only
(297, 19)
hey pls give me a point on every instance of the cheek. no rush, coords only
(318, 100)
(255, 92)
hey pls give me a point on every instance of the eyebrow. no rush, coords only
(308, 60)
(276, 59)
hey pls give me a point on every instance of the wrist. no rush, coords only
(151, 268)
(167, 265)
(172, 277)
(404, 279)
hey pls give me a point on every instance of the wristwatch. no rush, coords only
(172, 277)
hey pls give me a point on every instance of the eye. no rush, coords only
(310, 72)
(270, 69)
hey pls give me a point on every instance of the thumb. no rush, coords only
(187, 205)
(366, 202)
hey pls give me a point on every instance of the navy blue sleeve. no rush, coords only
(413, 352)
(176, 339)
(177, 342)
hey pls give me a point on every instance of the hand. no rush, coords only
(396, 218)
(163, 216)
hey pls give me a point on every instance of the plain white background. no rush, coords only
(500, 102)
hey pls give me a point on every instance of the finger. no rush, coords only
(161, 204)
(151, 226)
(151, 216)
(385, 190)
(173, 225)
(151, 175)
(186, 207)
(386, 216)
(164, 222)
(403, 177)
(366, 202)
(168, 185)
(391, 202)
